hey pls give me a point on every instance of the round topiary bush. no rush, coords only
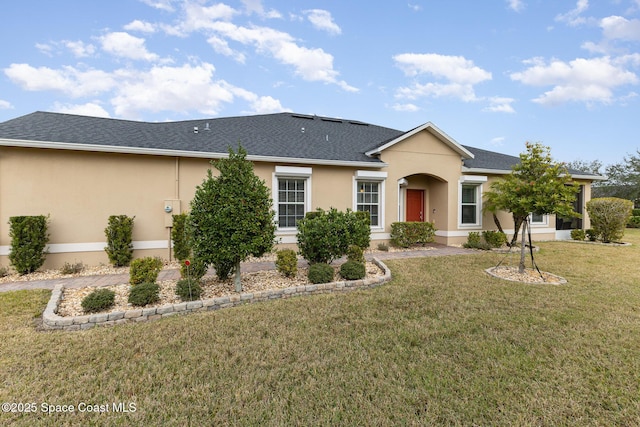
(352, 270)
(320, 273)
(98, 300)
(144, 294)
(188, 289)
(287, 262)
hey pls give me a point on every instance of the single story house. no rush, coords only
(80, 170)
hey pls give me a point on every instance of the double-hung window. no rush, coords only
(369, 195)
(292, 195)
(470, 197)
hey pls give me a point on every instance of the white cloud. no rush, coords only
(408, 107)
(459, 75)
(266, 105)
(198, 17)
(45, 48)
(140, 26)
(89, 109)
(69, 80)
(516, 5)
(5, 105)
(500, 105)
(414, 7)
(124, 45)
(573, 17)
(222, 47)
(255, 6)
(497, 141)
(619, 28)
(79, 48)
(322, 20)
(166, 5)
(580, 80)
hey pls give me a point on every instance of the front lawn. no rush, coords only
(442, 344)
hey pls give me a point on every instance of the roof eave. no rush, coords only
(182, 153)
(506, 172)
(464, 153)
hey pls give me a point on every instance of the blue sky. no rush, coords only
(492, 74)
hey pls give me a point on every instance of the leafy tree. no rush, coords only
(580, 165)
(623, 180)
(232, 216)
(536, 185)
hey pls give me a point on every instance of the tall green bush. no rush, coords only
(405, 234)
(29, 239)
(609, 217)
(324, 236)
(181, 237)
(119, 234)
(145, 270)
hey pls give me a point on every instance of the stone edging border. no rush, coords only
(51, 320)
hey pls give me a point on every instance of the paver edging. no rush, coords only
(52, 321)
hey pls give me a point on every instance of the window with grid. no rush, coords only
(291, 201)
(368, 200)
(470, 204)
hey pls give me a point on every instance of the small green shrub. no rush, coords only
(144, 294)
(193, 269)
(320, 273)
(353, 270)
(383, 247)
(474, 241)
(634, 221)
(591, 234)
(188, 289)
(494, 239)
(406, 234)
(287, 262)
(69, 268)
(635, 212)
(324, 236)
(609, 217)
(4, 272)
(181, 237)
(145, 270)
(578, 234)
(29, 239)
(98, 300)
(356, 254)
(119, 234)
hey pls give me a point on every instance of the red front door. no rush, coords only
(415, 205)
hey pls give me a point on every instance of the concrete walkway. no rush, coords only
(248, 267)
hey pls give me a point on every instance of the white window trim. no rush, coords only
(543, 223)
(292, 172)
(372, 176)
(476, 180)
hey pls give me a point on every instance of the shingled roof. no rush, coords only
(298, 138)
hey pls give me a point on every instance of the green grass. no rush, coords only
(442, 344)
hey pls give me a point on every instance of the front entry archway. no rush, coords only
(415, 205)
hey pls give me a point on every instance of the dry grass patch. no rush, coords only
(442, 344)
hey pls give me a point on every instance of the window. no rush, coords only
(470, 200)
(538, 219)
(291, 189)
(469, 204)
(368, 195)
(368, 200)
(291, 201)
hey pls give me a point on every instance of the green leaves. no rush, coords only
(29, 237)
(231, 215)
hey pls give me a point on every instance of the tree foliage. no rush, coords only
(536, 185)
(609, 217)
(232, 216)
(623, 180)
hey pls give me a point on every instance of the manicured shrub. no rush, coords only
(72, 268)
(353, 270)
(591, 234)
(194, 268)
(98, 300)
(144, 294)
(609, 217)
(635, 212)
(188, 289)
(145, 270)
(356, 254)
(406, 234)
(494, 239)
(29, 239)
(634, 221)
(4, 272)
(578, 234)
(287, 262)
(320, 273)
(474, 241)
(119, 234)
(181, 237)
(383, 247)
(324, 236)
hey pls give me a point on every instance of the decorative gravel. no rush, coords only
(70, 305)
(529, 275)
